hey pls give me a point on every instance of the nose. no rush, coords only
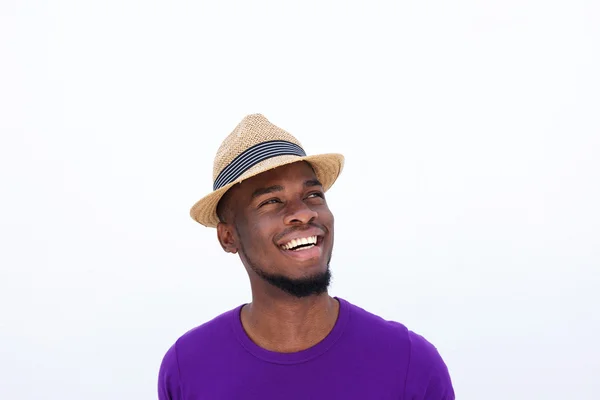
(298, 213)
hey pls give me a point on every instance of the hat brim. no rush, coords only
(327, 168)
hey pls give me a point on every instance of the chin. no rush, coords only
(314, 283)
(305, 271)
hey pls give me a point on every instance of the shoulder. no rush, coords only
(428, 376)
(424, 356)
(208, 333)
(192, 347)
(425, 372)
(169, 386)
(374, 327)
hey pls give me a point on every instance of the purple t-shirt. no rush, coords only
(363, 357)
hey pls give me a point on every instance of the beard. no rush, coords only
(298, 287)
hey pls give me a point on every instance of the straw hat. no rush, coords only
(255, 146)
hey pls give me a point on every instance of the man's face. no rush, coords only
(282, 227)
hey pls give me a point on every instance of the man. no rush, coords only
(293, 341)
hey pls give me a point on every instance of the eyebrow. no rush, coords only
(312, 182)
(267, 190)
(279, 188)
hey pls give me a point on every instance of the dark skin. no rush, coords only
(261, 214)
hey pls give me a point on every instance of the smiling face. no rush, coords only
(280, 224)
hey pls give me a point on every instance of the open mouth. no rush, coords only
(301, 244)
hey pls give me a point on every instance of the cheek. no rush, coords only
(257, 237)
(325, 215)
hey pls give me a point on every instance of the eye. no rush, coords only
(270, 201)
(315, 194)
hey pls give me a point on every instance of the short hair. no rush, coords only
(224, 209)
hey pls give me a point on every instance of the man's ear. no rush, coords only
(227, 237)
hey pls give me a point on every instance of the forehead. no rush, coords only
(240, 195)
(287, 175)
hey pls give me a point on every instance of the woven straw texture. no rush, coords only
(254, 129)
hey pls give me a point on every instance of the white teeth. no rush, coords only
(304, 248)
(297, 242)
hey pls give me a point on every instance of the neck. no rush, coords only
(288, 324)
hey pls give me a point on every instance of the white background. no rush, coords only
(467, 210)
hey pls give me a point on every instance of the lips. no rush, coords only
(296, 237)
(303, 245)
(300, 243)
